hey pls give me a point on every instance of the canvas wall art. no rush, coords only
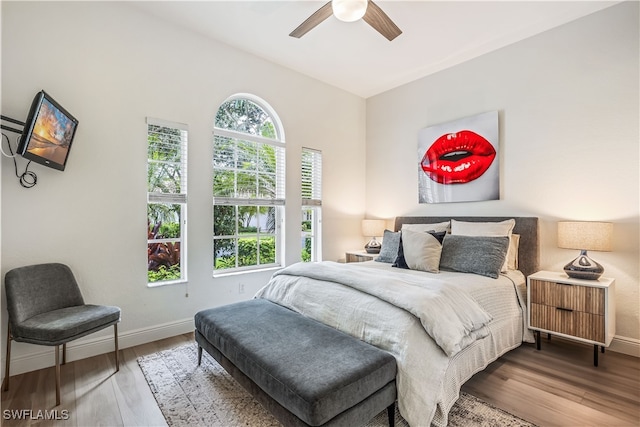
(458, 160)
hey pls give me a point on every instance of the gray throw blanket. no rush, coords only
(448, 314)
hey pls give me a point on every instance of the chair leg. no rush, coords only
(115, 338)
(5, 386)
(57, 375)
(64, 353)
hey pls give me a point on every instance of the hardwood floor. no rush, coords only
(557, 386)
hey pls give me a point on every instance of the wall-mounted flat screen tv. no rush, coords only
(48, 133)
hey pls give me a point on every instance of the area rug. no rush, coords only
(206, 395)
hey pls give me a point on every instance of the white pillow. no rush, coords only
(421, 251)
(464, 228)
(423, 228)
(502, 228)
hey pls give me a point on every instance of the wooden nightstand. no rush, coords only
(359, 256)
(583, 310)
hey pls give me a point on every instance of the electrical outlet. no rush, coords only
(241, 288)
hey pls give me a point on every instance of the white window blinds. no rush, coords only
(311, 177)
(248, 169)
(166, 161)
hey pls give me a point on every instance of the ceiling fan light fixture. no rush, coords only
(349, 10)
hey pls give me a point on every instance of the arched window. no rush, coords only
(248, 185)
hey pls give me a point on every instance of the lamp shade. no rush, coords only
(585, 235)
(373, 227)
(349, 10)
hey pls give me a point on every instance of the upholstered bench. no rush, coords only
(304, 372)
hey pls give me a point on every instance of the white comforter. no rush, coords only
(430, 301)
(360, 299)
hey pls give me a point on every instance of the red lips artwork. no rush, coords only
(458, 158)
(458, 161)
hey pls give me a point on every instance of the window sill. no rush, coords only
(166, 283)
(245, 271)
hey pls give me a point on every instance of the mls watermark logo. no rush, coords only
(31, 414)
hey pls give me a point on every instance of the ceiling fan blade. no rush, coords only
(381, 22)
(318, 16)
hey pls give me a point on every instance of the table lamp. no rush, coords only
(373, 228)
(585, 236)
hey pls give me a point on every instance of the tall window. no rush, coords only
(166, 201)
(248, 186)
(311, 205)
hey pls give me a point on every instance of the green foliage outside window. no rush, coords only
(163, 258)
(306, 250)
(245, 116)
(164, 159)
(227, 241)
(163, 274)
(164, 176)
(248, 253)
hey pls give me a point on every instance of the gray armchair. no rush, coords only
(46, 307)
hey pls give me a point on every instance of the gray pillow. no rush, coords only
(390, 244)
(482, 255)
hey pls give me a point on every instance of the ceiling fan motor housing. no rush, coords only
(349, 10)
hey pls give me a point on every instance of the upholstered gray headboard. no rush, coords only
(526, 227)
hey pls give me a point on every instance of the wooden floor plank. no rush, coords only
(625, 410)
(59, 416)
(96, 403)
(135, 400)
(20, 397)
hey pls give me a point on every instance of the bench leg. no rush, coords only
(199, 355)
(391, 413)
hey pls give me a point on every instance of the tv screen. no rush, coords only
(48, 132)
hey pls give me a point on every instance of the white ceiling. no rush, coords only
(353, 56)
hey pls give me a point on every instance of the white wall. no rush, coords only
(568, 113)
(111, 67)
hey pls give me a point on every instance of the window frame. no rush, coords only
(277, 202)
(170, 198)
(313, 200)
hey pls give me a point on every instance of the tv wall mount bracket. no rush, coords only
(14, 121)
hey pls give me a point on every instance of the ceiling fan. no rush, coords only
(349, 11)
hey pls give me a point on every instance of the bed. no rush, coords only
(444, 323)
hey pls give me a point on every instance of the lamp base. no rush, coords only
(584, 268)
(373, 247)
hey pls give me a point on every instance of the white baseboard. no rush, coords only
(626, 345)
(43, 357)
